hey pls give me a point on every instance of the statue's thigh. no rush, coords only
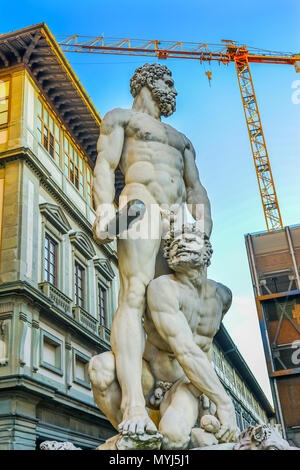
(138, 249)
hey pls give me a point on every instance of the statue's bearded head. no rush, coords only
(158, 78)
(187, 249)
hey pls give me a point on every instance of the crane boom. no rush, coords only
(224, 53)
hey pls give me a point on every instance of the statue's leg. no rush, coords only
(107, 391)
(105, 386)
(179, 412)
(136, 255)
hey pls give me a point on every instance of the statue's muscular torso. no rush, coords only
(203, 313)
(153, 156)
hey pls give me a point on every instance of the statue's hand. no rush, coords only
(229, 430)
(104, 214)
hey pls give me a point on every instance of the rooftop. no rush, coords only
(38, 51)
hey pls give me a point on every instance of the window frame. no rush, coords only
(44, 124)
(6, 78)
(102, 288)
(73, 160)
(53, 340)
(77, 264)
(49, 238)
(89, 187)
(85, 360)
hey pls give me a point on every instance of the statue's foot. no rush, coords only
(136, 422)
(228, 431)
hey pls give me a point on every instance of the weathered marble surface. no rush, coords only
(55, 445)
(260, 437)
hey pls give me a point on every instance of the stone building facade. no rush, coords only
(58, 289)
(250, 402)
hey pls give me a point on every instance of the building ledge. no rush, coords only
(60, 300)
(47, 305)
(40, 389)
(85, 319)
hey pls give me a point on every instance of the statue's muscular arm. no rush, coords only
(197, 199)
(110, 146)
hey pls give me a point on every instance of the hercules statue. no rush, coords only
(158, 164)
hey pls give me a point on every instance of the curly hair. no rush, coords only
(146, 75)
(206, 251)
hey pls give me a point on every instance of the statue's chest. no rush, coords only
(143, 127)
(201, 312)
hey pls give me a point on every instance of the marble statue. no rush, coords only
(262, 437)
(158, 165)
(184, 310)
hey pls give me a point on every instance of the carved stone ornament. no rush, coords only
(262, 437)
(55, 445)
(259, 437)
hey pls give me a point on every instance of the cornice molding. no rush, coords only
(56, 216)
(83, 244)
(104, 267)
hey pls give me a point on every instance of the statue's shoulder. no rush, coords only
(161, 287)
(216, 288)
(162, 282)
(187, 143)
(117, 116)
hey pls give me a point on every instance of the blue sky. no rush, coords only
(212, 117)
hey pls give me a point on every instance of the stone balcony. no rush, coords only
(85, 319)
(104, 333)
(60, 300)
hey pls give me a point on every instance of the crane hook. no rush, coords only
(209, 74)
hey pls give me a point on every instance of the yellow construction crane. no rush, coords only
(224, 53)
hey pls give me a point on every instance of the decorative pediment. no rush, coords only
(83, 244)
(104, 268)
(56, 216)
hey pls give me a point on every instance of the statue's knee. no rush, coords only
(171, 442)
(174, 439)
(134, 295)
(102, 370)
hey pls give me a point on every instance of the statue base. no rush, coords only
(136, 442)
(258, 437)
